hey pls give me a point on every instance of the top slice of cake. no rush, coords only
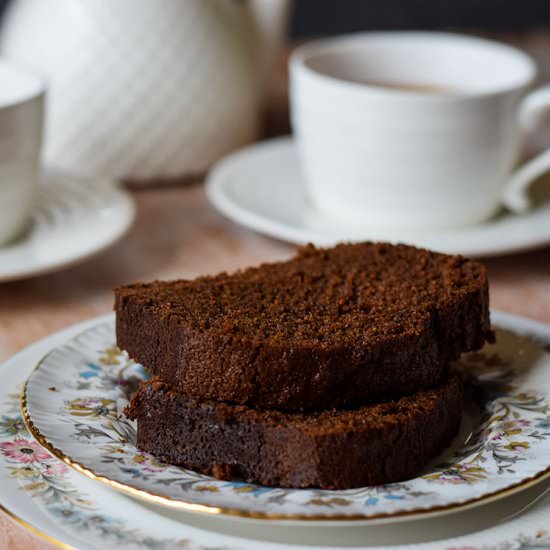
(336, 327)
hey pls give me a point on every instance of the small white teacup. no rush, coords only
(414, 129)
(21, 124)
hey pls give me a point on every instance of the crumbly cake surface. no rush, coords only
(335, 327)
(334, 449)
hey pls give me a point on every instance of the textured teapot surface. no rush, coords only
(140, 89)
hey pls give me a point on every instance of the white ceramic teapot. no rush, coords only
(146, 89)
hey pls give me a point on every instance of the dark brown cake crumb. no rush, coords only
(335, 449)
(335, 327)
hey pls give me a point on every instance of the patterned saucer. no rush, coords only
(73, 402)
(69, 510)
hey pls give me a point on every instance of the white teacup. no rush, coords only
(21, 122)
(414, 129)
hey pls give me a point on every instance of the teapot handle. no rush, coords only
(272, 17)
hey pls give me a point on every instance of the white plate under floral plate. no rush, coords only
(75, 218)
(262, 188)
(73, 403)
(53, 501)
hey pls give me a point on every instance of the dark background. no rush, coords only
(320, 17)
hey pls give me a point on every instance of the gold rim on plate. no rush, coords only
(31, 528)
(35, 531)
(151, 497)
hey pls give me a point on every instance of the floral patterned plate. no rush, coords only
(74, 399)
(71, 511)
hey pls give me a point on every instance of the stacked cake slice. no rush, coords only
(329, 370)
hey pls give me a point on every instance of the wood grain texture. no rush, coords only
(177, 234)
(15, 537)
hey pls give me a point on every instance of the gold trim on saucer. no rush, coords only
(155, 498)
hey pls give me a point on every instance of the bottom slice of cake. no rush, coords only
(336, 449)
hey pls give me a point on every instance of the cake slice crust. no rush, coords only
(370, 445)
(335, 327)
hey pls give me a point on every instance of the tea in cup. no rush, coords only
(414, 129)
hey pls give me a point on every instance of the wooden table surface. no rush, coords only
(177, 234)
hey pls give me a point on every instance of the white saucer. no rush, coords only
(73, 404)
(75, 218)
(261, 187)
(45, 496)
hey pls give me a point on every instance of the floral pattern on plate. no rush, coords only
(75, 401)
(538, 540)
(44, 478)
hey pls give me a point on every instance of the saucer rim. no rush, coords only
(33, 524)
(504, 321)
(221, 177)
(127, 209)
